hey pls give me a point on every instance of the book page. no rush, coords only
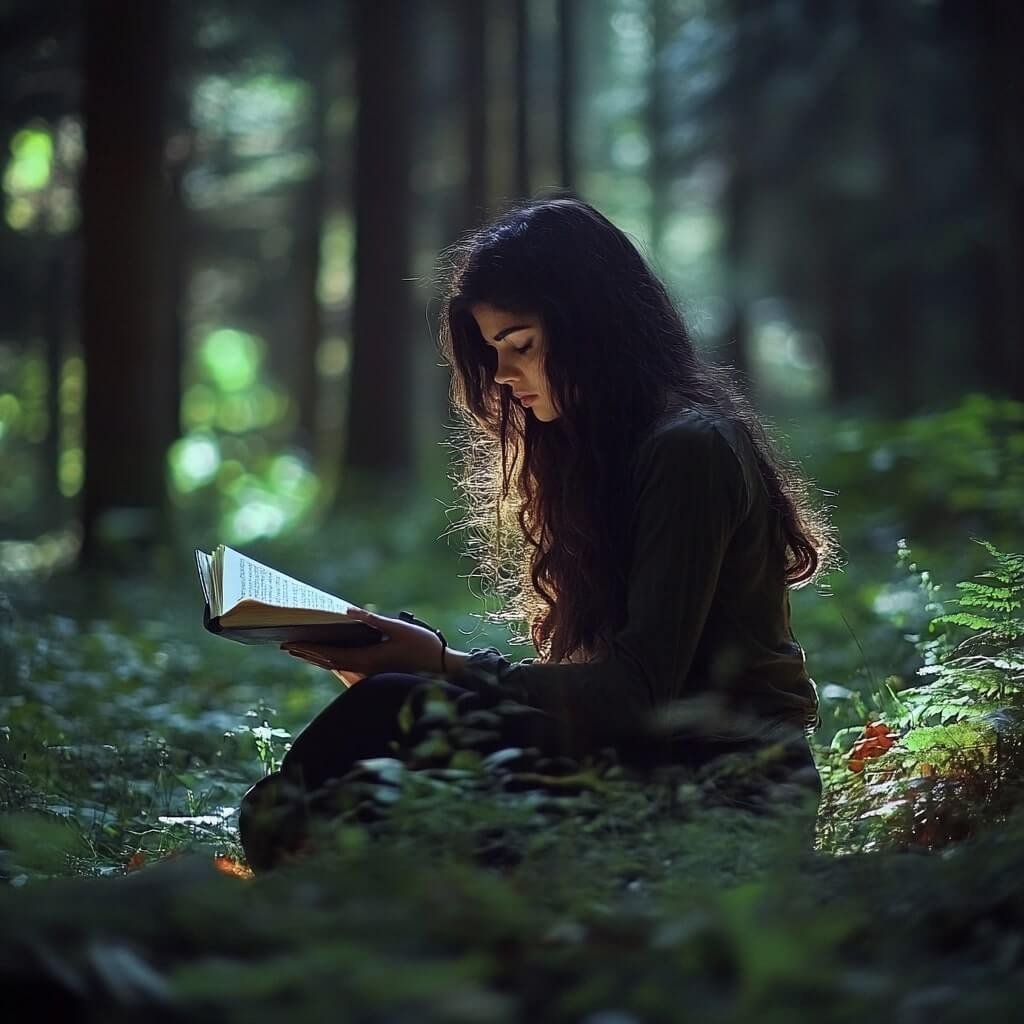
(243, 578)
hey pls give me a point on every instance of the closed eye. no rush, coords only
(525, 348)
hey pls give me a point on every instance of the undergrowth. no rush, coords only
(126, 749)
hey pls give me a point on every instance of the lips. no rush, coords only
(526, 395)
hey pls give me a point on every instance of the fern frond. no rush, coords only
(968, 620)
(1012, 560)
(981, 595)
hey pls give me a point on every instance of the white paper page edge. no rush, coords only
(244, 577)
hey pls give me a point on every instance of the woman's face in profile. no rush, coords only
(519, 342)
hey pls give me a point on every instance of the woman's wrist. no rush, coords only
(454, 662)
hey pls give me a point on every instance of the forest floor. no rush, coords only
(129, 735)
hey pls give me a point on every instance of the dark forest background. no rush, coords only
(221, 224)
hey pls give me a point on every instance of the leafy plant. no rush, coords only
(982, 675)
(952, 750)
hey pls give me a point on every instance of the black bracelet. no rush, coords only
(409, 617)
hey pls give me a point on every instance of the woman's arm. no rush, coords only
(690, 494)
(456, 662)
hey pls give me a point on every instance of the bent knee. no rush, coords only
(271, 819)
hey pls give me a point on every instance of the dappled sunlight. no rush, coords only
(226, 462)
(230, 359)
(256, 116)
(337, 247)
(25, 427)
(41, 557)
(39, 177)
(194, 461)
(790, 360)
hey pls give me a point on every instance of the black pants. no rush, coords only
(362, 721)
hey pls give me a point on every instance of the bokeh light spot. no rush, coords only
(231, 358)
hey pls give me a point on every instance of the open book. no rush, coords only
(254, 604)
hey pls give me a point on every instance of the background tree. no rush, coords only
(832, 191)
(129, 420)
(380, 427)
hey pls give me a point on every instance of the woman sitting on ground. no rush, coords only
(651, 530)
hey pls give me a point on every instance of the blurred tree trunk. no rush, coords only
(179, 151)
(473, 40)
(176, 262)
(469, 109)
(838, 277)
(379, 438)
(54, 323)
(522, 77)
(998, 31)
(312, 210)
(500, 67)
(893, 293)
(738, 192)
(839, 219)
(657, 126)
(469, 19)
(567, 93)
(127, 426)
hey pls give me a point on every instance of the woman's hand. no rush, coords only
(405, 648)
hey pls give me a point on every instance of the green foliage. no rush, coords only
(959, 469)
(958, 756)
(378, 931)
(954, 474)
(984, 672)
(127, 736)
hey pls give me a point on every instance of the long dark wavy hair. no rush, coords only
(543, 503)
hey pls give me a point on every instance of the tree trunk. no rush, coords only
(312, 203)
(124, 327)
(473, 40)
(999, 85)
(470, 111)
(380, 441)
(738, 196)
(659, 173)
(522, 77)
(837, 281)
(179, 151)
(54, 322)
(894, 292)
(566, 94)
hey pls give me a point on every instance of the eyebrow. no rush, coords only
(508, 330)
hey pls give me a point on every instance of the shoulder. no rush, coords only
(692, 433)
(691, 441)
(690, 422)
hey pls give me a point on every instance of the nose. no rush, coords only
(502, 375)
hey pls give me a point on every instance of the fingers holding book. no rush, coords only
(405, 647)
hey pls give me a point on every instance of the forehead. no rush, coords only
(492, 321)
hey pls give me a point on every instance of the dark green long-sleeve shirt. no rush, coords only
(708, 618)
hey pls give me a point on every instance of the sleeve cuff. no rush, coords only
(489, 672)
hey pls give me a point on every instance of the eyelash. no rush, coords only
(525, 348)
